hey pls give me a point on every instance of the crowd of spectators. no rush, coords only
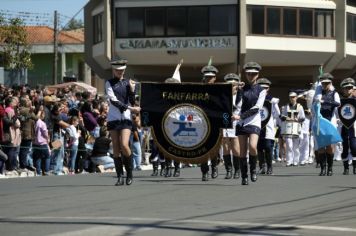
(57, 132)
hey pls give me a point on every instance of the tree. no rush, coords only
(13, 44)
(74, 24)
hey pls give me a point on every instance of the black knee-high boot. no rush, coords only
(244, 169)
(330, 160)
(204, 167)
(155, 168)
(128, 168)
(119, 171)
(354, 166)
(228, 166)
(168, 168)
(346, 166)
(176, 169)
(163, 169)
(253, 163)
(322, 161)
(317, 159)
(236, 163)
(269, 163)
(261, 162)
(214, 168)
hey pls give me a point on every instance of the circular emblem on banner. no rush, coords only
(186, 126)
(264, 113)
(348, 111)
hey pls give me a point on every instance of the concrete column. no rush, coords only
(63, 65)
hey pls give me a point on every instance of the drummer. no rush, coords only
(292, 112)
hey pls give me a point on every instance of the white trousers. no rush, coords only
(304, 148)
(292, 150)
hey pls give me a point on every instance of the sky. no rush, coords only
(39, 12)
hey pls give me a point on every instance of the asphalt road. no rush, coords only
(294, 201)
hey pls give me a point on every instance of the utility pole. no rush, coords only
(55, 48)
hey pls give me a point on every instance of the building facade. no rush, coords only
(290, 39)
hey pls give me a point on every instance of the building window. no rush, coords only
(324, 23)
(290, 21)
(302, 22)
(187, 21)
(222, 20)
(256, 19)
(198, 21)
(306, 22)
(273, 21)
(176, 21)
(155, 18)
(351, 3)
(351, 27)
(98, 28)
(129, 22)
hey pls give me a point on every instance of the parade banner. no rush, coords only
(186, 118)
(266, 112)
(347, 112)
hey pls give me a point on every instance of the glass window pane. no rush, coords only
(353, 28)
(222, 20)
(129, 22)
(319, 24)
(155, 22)
(122, 22)
(273, 20)
(324, 23)
(256, 16)
(349, 27)
(98, 28)
(290, 21)
(176, 21)
(306, 22)
(198, 21)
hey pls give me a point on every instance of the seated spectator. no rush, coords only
(100, 151)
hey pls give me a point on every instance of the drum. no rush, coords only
(290, 129)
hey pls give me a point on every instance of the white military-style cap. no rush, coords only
(119, 64)
(252, 67)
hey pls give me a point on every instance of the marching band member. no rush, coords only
(209, 77)
(305, 139)
(250, 101)
(292, 116)
(230, 140)
(348, 134)
(268, 132)
(329, 100)
(305, 136)
(121, 94)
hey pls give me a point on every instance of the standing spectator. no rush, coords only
(12, 133)
(74, 134)
(3, 156)
(41, 156)
(89, 119)
(136, 142)
(27, 119)
(57, 154)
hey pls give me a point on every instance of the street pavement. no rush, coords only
(294, 201)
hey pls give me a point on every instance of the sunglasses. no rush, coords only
(251, 73)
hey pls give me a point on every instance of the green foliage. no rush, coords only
(13, 44)
(74, 24)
